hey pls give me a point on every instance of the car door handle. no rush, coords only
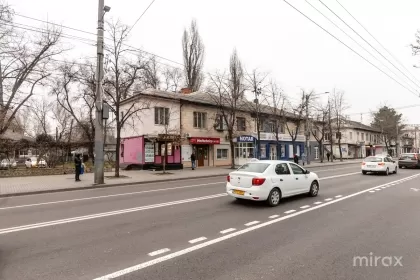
(297, 178)
(281, 180)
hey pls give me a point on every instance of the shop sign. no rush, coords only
(245, 138)
(204, 141)
(169, 137)
(282, 137)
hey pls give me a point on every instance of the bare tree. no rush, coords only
(151, 77)
(120, 78)
(276, 101)
(24, 66)
(74, 90)
(320, 127)
(193, 54)
(41, 110)
(339, 106)
(227, 92)
(172, 79)
(297, 118)
(256, 81)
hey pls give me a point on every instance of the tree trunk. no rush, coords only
(232, 151)
(91, 155)
(321, 150)
(331, 149)
(339, 147)
(164, 157)
(294, 147)
(117, 151)
(278, 149)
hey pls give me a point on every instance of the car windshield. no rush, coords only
(373, 159)
(254, 167)
(407, 156)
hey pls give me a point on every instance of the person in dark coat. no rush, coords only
(296, 159)
(328, 156)
(193, 161)
(78, 167)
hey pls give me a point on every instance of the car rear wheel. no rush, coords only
(387, 172)
(313, 191)
(274, 197)
(364, 172)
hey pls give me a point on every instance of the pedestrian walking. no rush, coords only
(328, 156)
(193, 161)
(303, 159)
(296, 159)
(78, 167)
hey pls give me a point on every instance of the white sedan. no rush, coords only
(271, 180)
(379, 164)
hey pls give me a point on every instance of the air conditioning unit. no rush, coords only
(187, 135)
(218, 124)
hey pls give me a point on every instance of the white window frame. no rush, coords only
(161, 116)
(199, 116)
(221, 154)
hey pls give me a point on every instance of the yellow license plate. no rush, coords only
(239, 192)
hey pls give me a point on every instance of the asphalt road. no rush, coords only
(192, 230)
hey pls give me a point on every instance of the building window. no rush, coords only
(363, 137)
(351, 135)
(199, 120)
(241, 124)
(327, 137)
(220, 123)
(161, 116)
(222, 154)
(263, 152)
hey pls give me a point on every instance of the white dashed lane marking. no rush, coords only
(289, 211)
(252, 223)
(158, 252)
(371, 191)
(227, 230)
(328, 199)
(304, 206)
(338, 196)
(197, 240)
(318, 202)
(377, 190)
(274, 216)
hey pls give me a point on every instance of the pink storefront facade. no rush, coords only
(143, 152)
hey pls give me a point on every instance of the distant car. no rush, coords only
(379, 164)
(271, 180)
(409, 160)
(8, 163)
(34, 162)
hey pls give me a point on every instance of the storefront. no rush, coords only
(272, 149)
(209, 151)
(244, 149)
(148, 152)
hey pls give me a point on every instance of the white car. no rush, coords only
(271, 180)
(379, 164)
(6, 164)
(34, 162)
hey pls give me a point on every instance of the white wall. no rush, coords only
(145, 124)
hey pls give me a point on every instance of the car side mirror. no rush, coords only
(307, 171)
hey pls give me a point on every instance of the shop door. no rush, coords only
(316, 153)
(273, 152)
(201, 155)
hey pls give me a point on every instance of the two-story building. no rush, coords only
(357, 140)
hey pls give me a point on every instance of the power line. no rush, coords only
(151, 3)
(378, 41)
(368, 43)
(396, 108)
(349, 47)
(386, 66)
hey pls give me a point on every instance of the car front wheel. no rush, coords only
(274, 197)
(313, 191)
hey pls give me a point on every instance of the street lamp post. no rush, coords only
(99, 131)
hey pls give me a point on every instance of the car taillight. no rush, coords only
(363, 163)
(258, 181)
(381, 163)
(228, 178)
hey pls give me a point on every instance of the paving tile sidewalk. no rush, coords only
(58, 183)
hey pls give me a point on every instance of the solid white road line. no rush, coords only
(197, 240)
(338, 196)
(227, 230)
(328, 199)
(274, 216)
(106, 214)
(226, 237)
(252, 223)
(158, 252)
(290, 211)
(304, 206)
(106, 196)
(318, 202)
(134, 193)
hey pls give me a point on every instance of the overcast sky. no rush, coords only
(271, 36)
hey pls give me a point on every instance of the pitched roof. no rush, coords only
(359, 125)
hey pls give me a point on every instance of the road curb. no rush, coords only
(109, 185)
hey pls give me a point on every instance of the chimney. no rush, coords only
(186, 90)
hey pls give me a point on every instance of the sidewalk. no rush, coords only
(58, 183)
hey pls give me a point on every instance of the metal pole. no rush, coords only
(396, 142)
(99, 132)
(307, 129)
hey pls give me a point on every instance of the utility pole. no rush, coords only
(307, 130)
(397, 141)
(99, 130)
(257, 92)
